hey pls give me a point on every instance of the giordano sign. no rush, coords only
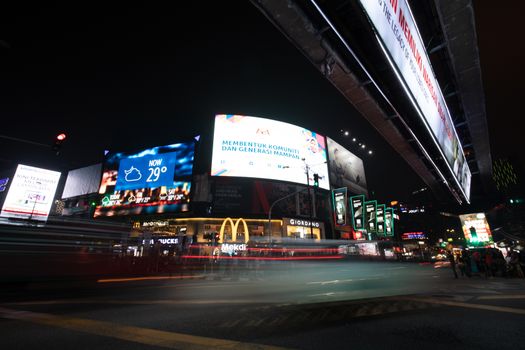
(235, 227)
(301, 222)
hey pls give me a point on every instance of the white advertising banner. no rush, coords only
(264, 148)
(31, 193)
(398, 32)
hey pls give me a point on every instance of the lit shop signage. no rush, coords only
(162, 241)
(301, 222)
(399, 36)
(476, 228)
(155, 223)
(31, 193)
(389, 221)
(154, 180)
(356, 204)
(234, 227)
(371, 216)
(381, 219)
(413, 235)
(339, 200)
(264, 148)
(232, 248)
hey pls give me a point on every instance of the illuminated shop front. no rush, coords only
(201, 230)
(303, 229)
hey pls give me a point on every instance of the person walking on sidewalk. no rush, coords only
(452, 260)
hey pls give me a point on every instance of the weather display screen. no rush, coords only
(155, 180)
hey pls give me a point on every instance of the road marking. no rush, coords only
(496, 297)
(347, 280)
(147, 278)
(470, 306)
(170, 340)
(136, 302)
(323, 294)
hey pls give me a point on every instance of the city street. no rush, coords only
(307, 305)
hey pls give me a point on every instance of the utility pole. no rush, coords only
(310, 206)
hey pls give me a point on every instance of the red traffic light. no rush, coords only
(61, 137)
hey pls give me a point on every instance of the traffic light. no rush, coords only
(58, 142)
(316, 180)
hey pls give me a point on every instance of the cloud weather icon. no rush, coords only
(133, 174)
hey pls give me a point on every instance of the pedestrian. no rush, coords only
(476, 262)
(489, 264)
(514, 263)
(452, 260)
(461, 265)
(468, 265)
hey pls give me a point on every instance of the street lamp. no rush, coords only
(270, 211)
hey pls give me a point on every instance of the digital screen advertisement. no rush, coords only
(389, 222)
(346, 169)
(339, 197)
(380, 213)
(356, 204)
(155, 180)
(400, 37)
(254, 147)
(371, 216)
(476, 228)
(31, 193)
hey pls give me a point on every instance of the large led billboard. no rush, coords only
(346, 169)
(400, 39)
(82, 181)
(476, 229)
(31, 193)
(264, 148)
(155, 180)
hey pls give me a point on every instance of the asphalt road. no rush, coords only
(304, 305)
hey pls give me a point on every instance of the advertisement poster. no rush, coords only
(380, 214)
(155, 180)
(339, 200)
(476, 229)
(31, 193)
(400, 37)
(389, 222)
(268, 149)
(371, 216)
(356, 204)
(346, 169)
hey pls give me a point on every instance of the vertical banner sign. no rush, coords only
(380, 214)
(339, 199)
(356, 204)
(371, 216)
(389, 222)
(399, 37)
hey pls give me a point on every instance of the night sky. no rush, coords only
(126, 78)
